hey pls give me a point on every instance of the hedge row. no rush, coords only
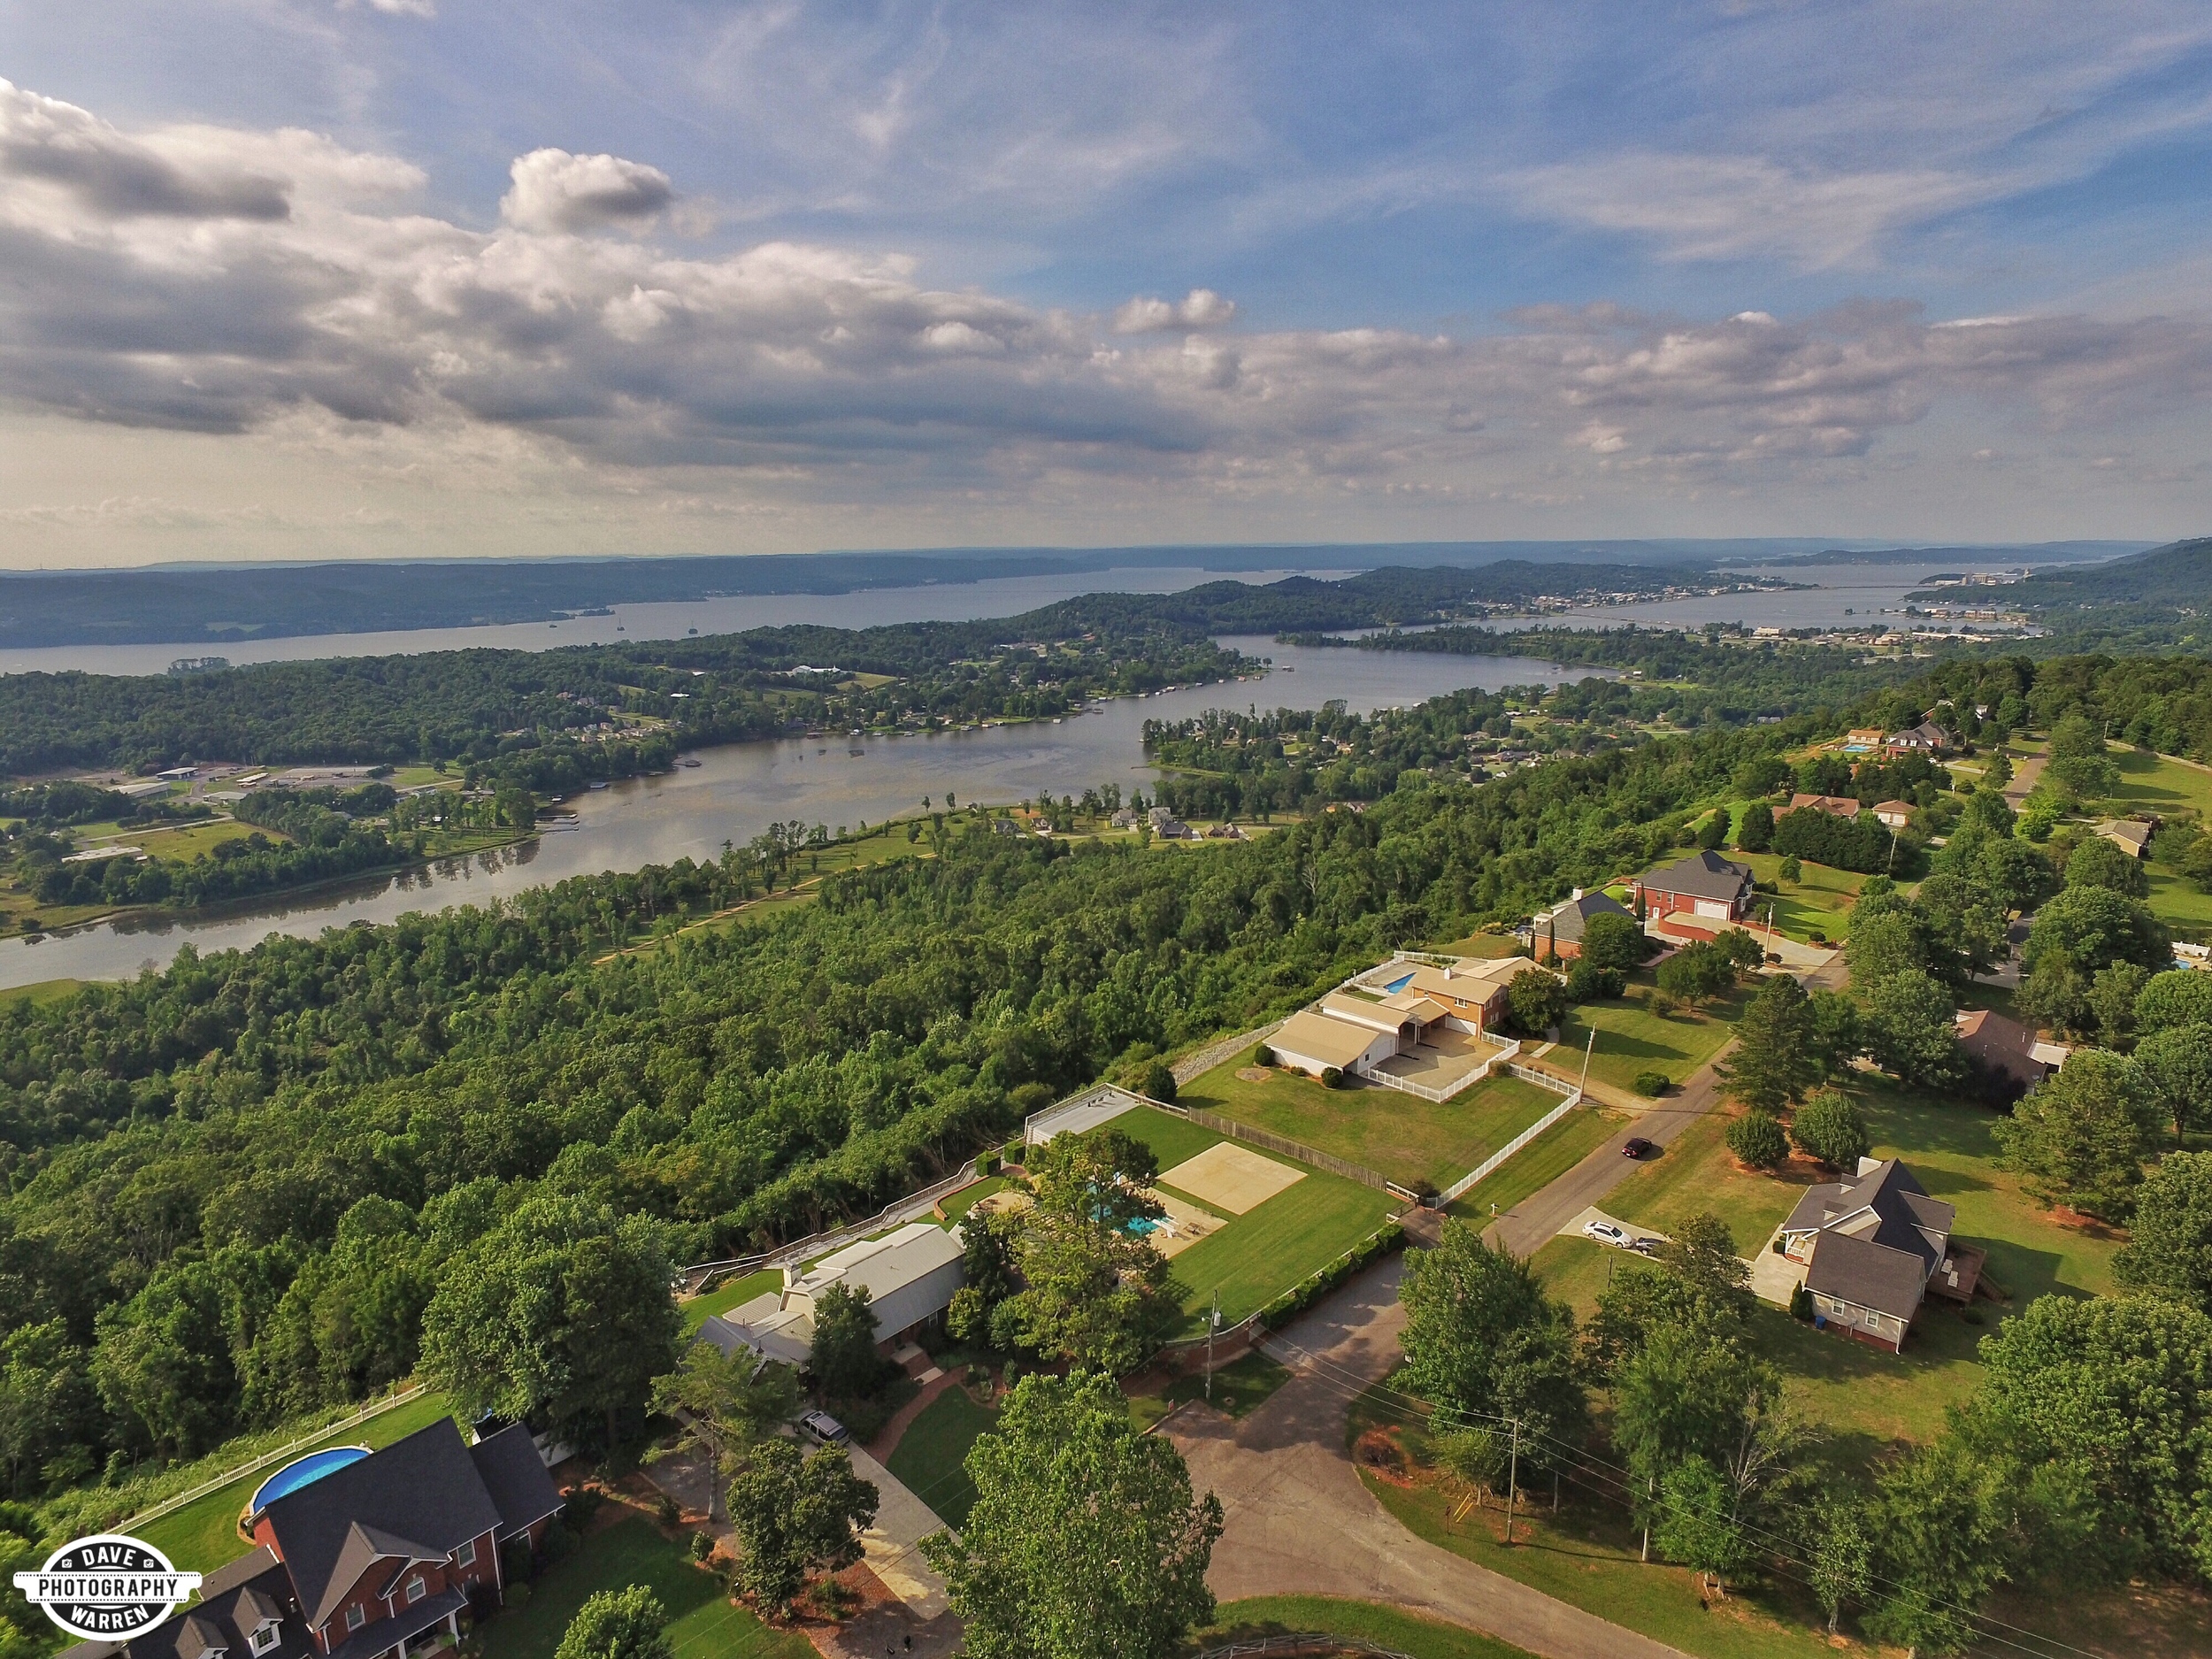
(1310, 1289)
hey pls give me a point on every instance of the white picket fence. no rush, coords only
(1466, 1183)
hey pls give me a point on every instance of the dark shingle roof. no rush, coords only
(1566, 922)
(420, 1497)
(1871, 1275)
(515, 1476)
(237, 1597)
(1704, 875)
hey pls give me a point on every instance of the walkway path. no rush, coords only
(1298, 1522)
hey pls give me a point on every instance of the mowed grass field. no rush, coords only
(1263, 1253)
(1632, 1039)
(1400, 1136)
(931, 1456)
(203, 1534)
(722, 1298)
(1866, 1400)
(1817, 901)
(1536, 1165)
(703, 1624)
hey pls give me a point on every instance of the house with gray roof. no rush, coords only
(1704, 884)
(1874, 1248)
(375, 1559)
(1560, 927)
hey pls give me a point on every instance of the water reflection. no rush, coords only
(736, 791)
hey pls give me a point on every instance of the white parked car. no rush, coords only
(1604, 1233)
(822, 1427)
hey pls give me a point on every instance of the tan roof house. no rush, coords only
(1833, 805)
(2132, 833)
(1895, 814)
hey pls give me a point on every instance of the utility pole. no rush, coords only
(1587, 1053)
(1212, 1325)
(1512, 1479)
(1648, 1501)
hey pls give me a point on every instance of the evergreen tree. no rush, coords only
(1776, 1059)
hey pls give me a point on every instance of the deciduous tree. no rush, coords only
(1829, 1128)
(627, 1624)
(2080, 1138)
(796, 1515)
(1910, 1031)
(1084, 1541)
(2169, 1249)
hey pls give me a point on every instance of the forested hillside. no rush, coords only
(231, 1183)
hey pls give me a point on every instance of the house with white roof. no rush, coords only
(909, 1276)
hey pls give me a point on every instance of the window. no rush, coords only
(466, 1556)
(415, 1588)
(355, 1617)
(262, 1639)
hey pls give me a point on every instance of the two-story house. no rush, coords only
(373, 1560)
(1873, 1249)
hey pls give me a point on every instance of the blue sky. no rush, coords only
(408, 276)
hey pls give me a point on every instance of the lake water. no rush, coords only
(943, 602)
(737, 790)
(1867, 590)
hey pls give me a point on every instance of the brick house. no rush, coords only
(1705, 884)
(373, 1560)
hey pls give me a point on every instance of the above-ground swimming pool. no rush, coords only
(301, 1471)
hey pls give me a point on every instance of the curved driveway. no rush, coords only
(1298, 1521)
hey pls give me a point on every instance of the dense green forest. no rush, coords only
(231, 1183)
(550, 720)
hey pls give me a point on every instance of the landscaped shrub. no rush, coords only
(1759, 1140)
(987, 1165)
(1159, 1082)
(1331, 1077)
(516, 1593)
(515, 1561)
(1310, 1289)
(1652, 1084)
(1263, 1055)
(1802, 1304)
(702, 1546)
(1011, 1152)
(666, 1510)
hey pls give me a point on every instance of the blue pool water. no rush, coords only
(1400, 983)
(301, 1471)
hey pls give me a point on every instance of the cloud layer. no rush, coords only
(275, 286)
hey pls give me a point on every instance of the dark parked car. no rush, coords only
(1637, 1147)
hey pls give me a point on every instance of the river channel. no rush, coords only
(737, 790)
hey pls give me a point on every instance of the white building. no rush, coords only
(908, 1276)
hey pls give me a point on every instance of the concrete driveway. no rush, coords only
(1537, 1219)
(1298, 1522)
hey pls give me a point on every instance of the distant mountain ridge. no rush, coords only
(2158, 582)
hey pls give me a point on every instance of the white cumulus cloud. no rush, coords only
(555, 191)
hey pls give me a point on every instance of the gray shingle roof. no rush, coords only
(1887, 1269)
(237, 1597)
(1567, 921)
(1871, 1275)
(515, 1475)
(419, 1497)
(1705, 875)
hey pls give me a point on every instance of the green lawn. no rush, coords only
(701, 1621)
(1536, 1165)
(1269, 1248)
(1414, 1142)
(1819, 898)
(2176, 902)
(737, 1292)
(958, 1206)
(2154, 783)
(1585, 1554)
(1632, 1039)
(45, 994)
(203, 1534)
(1264, 1616)
(1867, 1399)
(930, 1455)
(1241, 1387)
(1698, 1174)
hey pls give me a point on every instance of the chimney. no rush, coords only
(1576, 895)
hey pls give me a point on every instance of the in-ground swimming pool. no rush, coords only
(1400, 983)
(301, 1471)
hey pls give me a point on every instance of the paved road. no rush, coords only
(1298, 1522)
(1525, 1226)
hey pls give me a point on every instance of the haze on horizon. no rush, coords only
(300, 279)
